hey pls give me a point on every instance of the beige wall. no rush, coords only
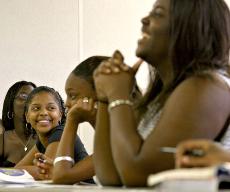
(107, 25)
(42, 41)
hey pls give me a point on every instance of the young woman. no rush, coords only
(15, 139)
(187, 43)
(45, 113)
(81, 104)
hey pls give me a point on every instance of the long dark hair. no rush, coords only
(8, 105)
(199, 42)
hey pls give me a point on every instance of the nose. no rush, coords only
(43, 112)
(145, 20)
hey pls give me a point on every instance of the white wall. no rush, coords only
(107, 25)
(38, 42)
(43, 40)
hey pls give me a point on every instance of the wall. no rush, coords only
(42, 41)
(107, 25)
(38, 42)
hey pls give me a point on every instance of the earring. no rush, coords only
(28, 126)
(59, 122)
(10, 115)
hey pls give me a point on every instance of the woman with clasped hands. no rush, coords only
(189, 51)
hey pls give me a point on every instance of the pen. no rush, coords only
(193, 152)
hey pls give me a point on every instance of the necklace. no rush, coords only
(25, 145)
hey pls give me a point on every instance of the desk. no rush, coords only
(67, 188)
(76, 188)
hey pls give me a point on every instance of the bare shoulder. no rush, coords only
(204, 89)
(200, 104)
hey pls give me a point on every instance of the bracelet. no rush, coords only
(64, 158)
(119, 102)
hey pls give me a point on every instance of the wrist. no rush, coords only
(72, 123)
(118, 96)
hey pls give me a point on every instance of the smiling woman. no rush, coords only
(188, 49)
(45, 113)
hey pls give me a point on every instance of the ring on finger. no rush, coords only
(85, 100)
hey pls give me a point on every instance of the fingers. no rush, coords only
(190, 161)
(117, 58)
(183, 160)
(89, 103)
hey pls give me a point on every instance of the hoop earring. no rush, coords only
(10, 115)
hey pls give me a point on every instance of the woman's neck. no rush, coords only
(20, 128)
(165, 71)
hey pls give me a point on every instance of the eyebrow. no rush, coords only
(54, 103)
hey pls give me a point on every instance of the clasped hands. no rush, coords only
(114, 79)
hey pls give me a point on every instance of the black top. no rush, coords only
(79, 149)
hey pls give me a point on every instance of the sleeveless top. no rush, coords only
(150, 119)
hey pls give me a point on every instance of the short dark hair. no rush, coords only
(52, 91)
(8, 104)
(86, 68)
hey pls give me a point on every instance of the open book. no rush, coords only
(12, 175)
(192, 179)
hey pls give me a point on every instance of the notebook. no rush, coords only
(17, 176)
(192, 179)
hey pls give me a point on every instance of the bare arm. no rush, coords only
(27, 162)
(103, 160)
(190, 112)
(82, 170)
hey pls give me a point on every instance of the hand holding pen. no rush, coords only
(199, 153)
(189, 152)
(45, 166)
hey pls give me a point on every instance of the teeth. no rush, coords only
(43, 121)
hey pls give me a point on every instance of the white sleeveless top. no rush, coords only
(151, 118)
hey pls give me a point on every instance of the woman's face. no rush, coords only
(43, 113)
(20, 99)
(154, 42)
(75, 88)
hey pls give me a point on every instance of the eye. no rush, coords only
(34, 108)
(22, 96)
(157, 12)
(73, 97)
(51, 108)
